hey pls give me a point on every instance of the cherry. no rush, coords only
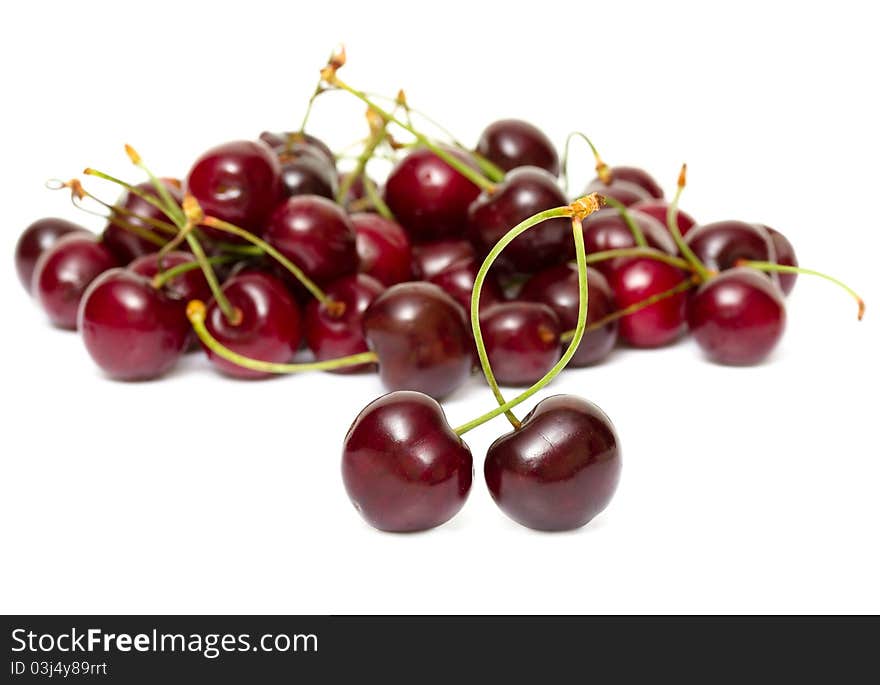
(607, 230)
(238, 182)
(383, 249)
(636, 176)
(282, 143)
(511, 143)
(522, 341)
(305, 171)
(316, 235)
(190, 285)
(557, 288)
(720, 245)
(429, 259)
(64, 271)
(625, 192)
(421, 337)
(657, 324)
(127, 245)
(525, 191)
(403, 467)
(428, 197)
(35, 240)
(331, 335)
(269, 328)
(786, 256)
(657, 209)
(559, 469)
(458, 280)
(132, 330)
(737, 317)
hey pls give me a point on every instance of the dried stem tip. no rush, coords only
(192, 210)
(682, 176)
(195, 310)
(584, 206)
(132, 154)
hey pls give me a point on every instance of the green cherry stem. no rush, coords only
(649, 252)
(146, 197)
(672, 225)
(172, 209)
(163, 277)
(637, 234)
(602, 169)
(377, 136)
(195, 312)
(782, 268)
(578, 210)
(374, 197)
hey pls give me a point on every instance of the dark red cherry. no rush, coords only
(127, 245)
(330, 335)
(657, 324)
(422, 338)
(557, 288)
(737, 317)
(784, 255)
(35, 240)
(523, 192)
(383, 249)
(428, 197)
(559, 469)
(132, 331)
(238, 182)
(625, 192)
(607, 230)
(657, 209)
(316, 235)
(429, 259)
(403, 467)
(305, 171)
(282, 143)
(458, 280)
(190, 285)
(64, 271)
(522, 341)
(636, 176)
(720, 245)
(269, 329)
(511, 143)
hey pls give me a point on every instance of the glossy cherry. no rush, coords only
(428, 197)
(721, 244)
(522, 341)
(523, 192)
(403, 466)
(316, 235)
(35, 240)
(127, 245)
(636, 176)
(559, 469)
(132, 330)
(558, 288)
(625, 192)
(458, 280)
(190, 285)
(657, 324)
(282, 143)
(737, 317)
(607, 230)
(512, 143)
(785, 255)
(269, 329)
(331, 335)
(422, 339)
(64, 271)
(238, 182)
(305, 171)
(657, 208)
(429, 259)
(383, 248)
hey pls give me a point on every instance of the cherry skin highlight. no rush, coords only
(64, 271)
(428, 197)
(403, 467)
(523, 192)
(512, 143)
(238, 182)
(657, 209)
(269, 330)
(316, 235)
(305, 171)
(786, 256)
(429, 259)
(125, 244)
(458, 281)
(559, 469)
(383, 249)
(131, 330)
(330, 335)
(522, 341)
(657, 324)
(558, 288)
(737, 317)
(422, 339)
(35, 240)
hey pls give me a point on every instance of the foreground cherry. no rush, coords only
(657, 324)
(559, 469)
(132, 330)
(403, 466)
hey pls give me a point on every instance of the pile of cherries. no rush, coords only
(265, 248)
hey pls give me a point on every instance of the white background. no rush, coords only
(743, 489)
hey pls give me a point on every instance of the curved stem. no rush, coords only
(602, 169)
(672, 225)
(637, 234)
(232, 314)
(648, 252)
(146, 197)
(195, 312)
(577, 212)
(782, 268)
(376, 137)
(465, 170)
(374, 197)
(163, 277)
